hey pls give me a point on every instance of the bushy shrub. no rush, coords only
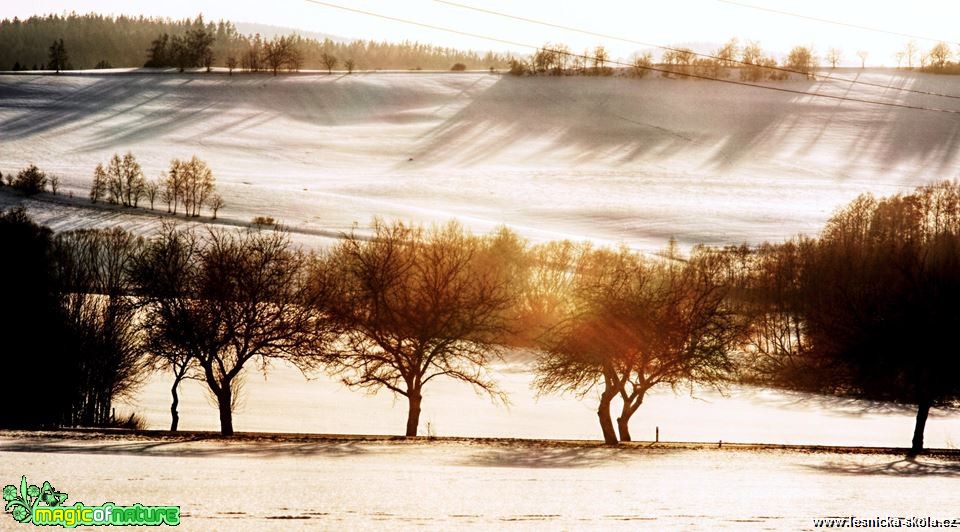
(30, 181)
(131, 422)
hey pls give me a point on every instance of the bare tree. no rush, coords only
(638, 323)
(151, 189)
(543, 301)
(328, 61)
(678, 58)
(198, 184)
(54, 182)
(231, 64)
(544, 59)
(772, 303)
(244, 299)
(281, 51)
(833, 57)
(728, 53)
(416, 305)
(752, 53)
(121, 181)
(215, 202)
(642, 64)
(899, 56)
(349, 65)
(753, 59)
(863, 54)
(165, 273)
(252, 58)
(295, 57)
(92, 267)
(579, 62)
(910, 50)
(600, 57)
(939, 55)
(172, 187)
(190, 183)
(98, 190)
(802, 59)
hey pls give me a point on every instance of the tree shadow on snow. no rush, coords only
(579, 120)
(906, 467)
(195, 448)
(538, 457)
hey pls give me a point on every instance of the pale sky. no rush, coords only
(658, 22)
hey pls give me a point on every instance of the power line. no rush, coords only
(619, 63)
(834, 22)
(710, 56)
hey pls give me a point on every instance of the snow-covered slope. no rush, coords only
(611, 159)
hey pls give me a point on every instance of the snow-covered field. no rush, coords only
(612, 160)
(447, 485)
(285, 401)
(621, 160)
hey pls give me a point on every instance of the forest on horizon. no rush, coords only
(94, 41)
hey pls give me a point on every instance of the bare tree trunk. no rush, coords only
(923, 410)
(174, 415)
(630, 405)
(413, 416)
(623, 428)
(225, 400)
(606, 421)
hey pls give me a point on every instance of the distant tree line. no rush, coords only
(31, 180)
(749, 60)
(189, 184)
(190, 50)
(865, 310)
(98, 41)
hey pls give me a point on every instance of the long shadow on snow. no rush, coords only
(189, 448)
(907, 467)
(162, 103)
(554, 457)
(625, 120)
(618, 119)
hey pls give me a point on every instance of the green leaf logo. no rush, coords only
(22, 502)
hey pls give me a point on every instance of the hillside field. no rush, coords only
(615, 160)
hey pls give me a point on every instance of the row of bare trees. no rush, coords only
(865, 310)
(868, 309)
(936, 59)
(749, 59)
(71, 334)
(394, 311)
(406, 305)
(188, 183)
